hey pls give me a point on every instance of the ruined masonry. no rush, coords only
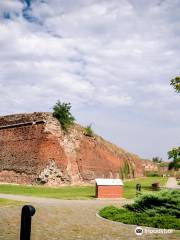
(35, 150)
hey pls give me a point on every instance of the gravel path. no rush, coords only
(172, 183)
(69, 220)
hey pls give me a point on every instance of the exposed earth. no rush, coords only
(69, 220)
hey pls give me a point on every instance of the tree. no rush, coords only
(157, 160)
(174, 154)
(176, 84)
(61, 111)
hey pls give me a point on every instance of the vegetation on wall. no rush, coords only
(125, 171)
(88, 131)
(61, 111)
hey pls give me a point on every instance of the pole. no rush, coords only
(27, 212)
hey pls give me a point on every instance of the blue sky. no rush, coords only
(112, 60)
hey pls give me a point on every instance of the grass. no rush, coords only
(6, 202)
(160, 210)
(64, 192)
(77, 192)
(130, 186)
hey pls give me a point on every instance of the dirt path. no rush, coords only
(172, 183)
(68, 220)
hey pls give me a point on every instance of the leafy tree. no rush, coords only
(88, 131)
(157, 160)
(176, 84)
(175, 152)
(175, 155)
(61, 111)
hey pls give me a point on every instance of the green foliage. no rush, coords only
(164, 202)
(152, 174)
(176, 84)
(175, 155)
(143, 219)
(88, 131)
(157, 160)
(61, 111)
(161, 211)
(125, 170)
(163, 164)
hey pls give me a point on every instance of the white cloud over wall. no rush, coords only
(112, 57)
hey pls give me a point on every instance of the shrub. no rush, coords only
(165, 202)
(61, 111)
(160, 210)
(152, 174)
(88, 131)
(143, 219)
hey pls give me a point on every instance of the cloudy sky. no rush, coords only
(112, 59)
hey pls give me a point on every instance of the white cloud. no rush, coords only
(115, 56)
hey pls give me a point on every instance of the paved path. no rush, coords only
(172, 183)
(68, 220)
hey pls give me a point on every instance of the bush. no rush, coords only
(143, 219)
(160, 210)
(164, 202)
(88, 131)
(152, 174)
(63, 114)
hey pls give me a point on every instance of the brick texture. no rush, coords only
(34, 150)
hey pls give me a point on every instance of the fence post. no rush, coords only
(27, 212)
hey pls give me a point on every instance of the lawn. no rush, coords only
(6, 202)
(77, 192)
(64, 192)
(130, 186)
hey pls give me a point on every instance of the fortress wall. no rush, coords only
(33, 149)
(25, 150)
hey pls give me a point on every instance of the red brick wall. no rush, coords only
(26, 150)
(109, 191)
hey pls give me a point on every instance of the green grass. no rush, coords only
(77, 192)
(7, 202)
(64, 192)
(130, 186)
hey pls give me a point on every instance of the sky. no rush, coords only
(111, 59)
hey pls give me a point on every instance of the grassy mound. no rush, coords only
(160, 210)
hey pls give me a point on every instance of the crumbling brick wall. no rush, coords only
(34, 150)
(26, 148)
